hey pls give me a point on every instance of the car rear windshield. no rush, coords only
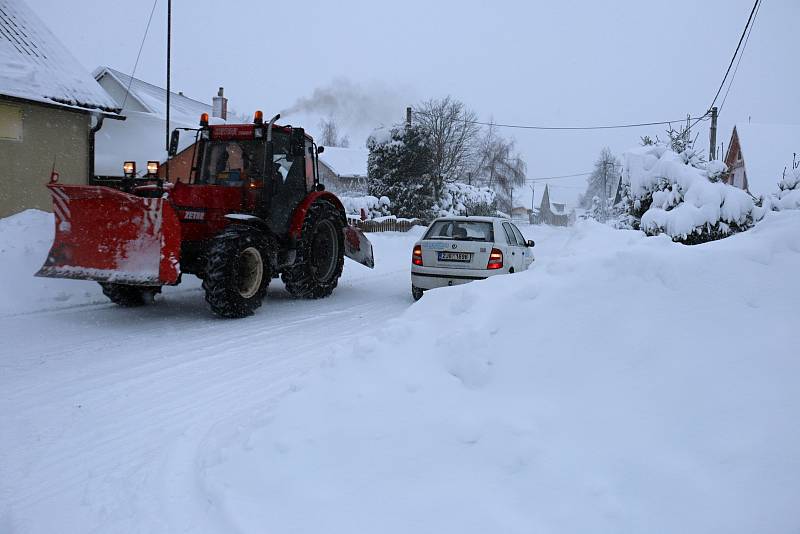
(461, 231)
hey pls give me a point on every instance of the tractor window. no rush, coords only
(231, 162)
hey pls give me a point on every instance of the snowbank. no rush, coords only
(623, 384)
(685, 202)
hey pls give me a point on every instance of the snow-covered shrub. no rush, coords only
(680, 195)
(788, 197)
(373, 207)
(399, 167)
(464, 199)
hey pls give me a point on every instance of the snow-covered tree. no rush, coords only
(453, 135)
(400, 166)
(788, 195)
(671, 192)
(602, 183)
(329, 134)
(463, 199)
(499, 167)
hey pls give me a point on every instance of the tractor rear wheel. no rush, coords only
(129, 296)
(320, 253)
(237, 272)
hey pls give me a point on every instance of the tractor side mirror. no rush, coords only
(530, 243)
(320, 149)
(173, 143)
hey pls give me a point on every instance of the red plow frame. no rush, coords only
(106, 235)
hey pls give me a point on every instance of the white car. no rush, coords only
(457, 250)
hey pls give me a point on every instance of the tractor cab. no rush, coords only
(275, 166)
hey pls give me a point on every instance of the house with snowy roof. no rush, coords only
(50, 111)
(142, 137)
(549, 211)
(344, 170)
(759, 154)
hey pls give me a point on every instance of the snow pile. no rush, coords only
(464, 199)
(676, 194)
(373, 207)
(549, 401)
(25, 239)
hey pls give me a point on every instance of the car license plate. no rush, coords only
(455, 256)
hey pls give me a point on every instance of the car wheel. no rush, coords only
(416, 292)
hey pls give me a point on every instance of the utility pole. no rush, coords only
(169, 59)
(533, 196)
(408, 116)
(712, 150)
(605, 188)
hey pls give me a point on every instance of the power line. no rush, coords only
(741, 38)
(139, 54)
(738, 61)
(533, 127)
(557, 177)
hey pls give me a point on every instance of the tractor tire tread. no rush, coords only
(218, 281)
(299, 278)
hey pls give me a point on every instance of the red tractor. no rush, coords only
(251, 210)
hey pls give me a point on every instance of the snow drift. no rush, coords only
(623, 384)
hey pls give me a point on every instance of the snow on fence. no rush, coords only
(385, 224)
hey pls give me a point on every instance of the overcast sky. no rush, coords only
(563, 63)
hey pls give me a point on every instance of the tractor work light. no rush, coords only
(129, 169)
(259, 117)
(152, 168)
(204, 120)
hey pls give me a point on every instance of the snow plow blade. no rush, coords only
(106, 235)
(357, 247)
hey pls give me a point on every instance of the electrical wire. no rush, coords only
(532, 127)
(139, 54)
(736, 69)
(736, 52)
(542, 178)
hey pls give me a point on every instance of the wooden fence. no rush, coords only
(387, 225)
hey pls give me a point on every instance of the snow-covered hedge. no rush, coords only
(680, 195)
(788, 195)
(373, 207)
(463, 199)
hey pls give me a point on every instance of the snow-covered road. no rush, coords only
(102, 408)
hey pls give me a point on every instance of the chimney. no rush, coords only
(220, 106)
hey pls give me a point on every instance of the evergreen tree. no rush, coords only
(400, 167)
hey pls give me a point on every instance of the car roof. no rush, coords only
(473, 219)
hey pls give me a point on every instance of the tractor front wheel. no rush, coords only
(320, 253)
(237, 272)
(129, 296)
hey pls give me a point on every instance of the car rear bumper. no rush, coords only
(432, 277)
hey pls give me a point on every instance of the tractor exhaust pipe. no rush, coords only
(269, 126)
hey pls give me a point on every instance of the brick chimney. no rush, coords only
(220, 106)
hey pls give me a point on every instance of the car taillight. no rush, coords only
(416, 257)
(495, 259)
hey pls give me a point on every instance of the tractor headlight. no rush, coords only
(129, 169)
(152, 168)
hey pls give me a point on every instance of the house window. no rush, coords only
(10, 123)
